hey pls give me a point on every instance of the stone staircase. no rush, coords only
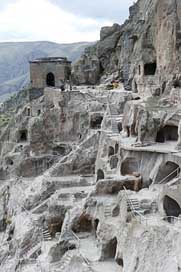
(33, 251)
(60, 266)
(108, 210)
(134, 205)
(115, 118)
(46, 234)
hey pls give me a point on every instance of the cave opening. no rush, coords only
(150, 69)
(116, 148)
(96, 223)
(167, 133)
(96, 121)
(23, 135)
(120, 261)
(28, 111)
(84, 224)
(171, 207)
(110, 151)
(100, 174)
(110, 249)
(120, 127)
(129, 166)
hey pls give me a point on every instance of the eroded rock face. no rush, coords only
(93, 175)
(144, 49)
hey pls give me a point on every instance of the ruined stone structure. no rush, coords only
(49, 72)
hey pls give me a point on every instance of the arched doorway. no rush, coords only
(100, 174)
(50, 80)
(110, 249)
(171, 207)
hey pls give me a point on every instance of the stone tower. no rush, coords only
(49, 72)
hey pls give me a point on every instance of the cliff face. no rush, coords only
(144, 51)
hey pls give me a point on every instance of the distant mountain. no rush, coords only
(15, 57)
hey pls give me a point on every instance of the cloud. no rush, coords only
(56, 20)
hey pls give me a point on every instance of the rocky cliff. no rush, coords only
(90, 178)
(147, 44)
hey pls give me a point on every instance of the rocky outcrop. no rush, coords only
(135, 50)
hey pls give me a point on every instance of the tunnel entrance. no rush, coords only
(167, 172)
(50, 80)
(167, 133)
(100, 174)
(171, 208)
(150, 69)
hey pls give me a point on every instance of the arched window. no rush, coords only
(50, 80)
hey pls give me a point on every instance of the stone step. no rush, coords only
(33, 250)
(46, 234)
(65, 261)
(133, 204)
(107, 211)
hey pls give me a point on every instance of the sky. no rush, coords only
(61, 21)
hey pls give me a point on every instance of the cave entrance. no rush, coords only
(110, 249)
(167, 133)
(129, 166)
(150, 69)
(96, 121)
(171, 207)
(100, 174)
(23, 135)
(120, 127)
(110, 151)
(84, 224)
(50, 80)
(167, 172)
(96, 223)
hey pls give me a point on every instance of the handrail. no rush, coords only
(176, 170)
(131, 205)
(83, 257)
(175, 219)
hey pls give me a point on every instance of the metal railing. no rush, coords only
(134, 212)
(176, 171)
(85, 259)
(143, 219)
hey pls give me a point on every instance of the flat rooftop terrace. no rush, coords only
(51, 60)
